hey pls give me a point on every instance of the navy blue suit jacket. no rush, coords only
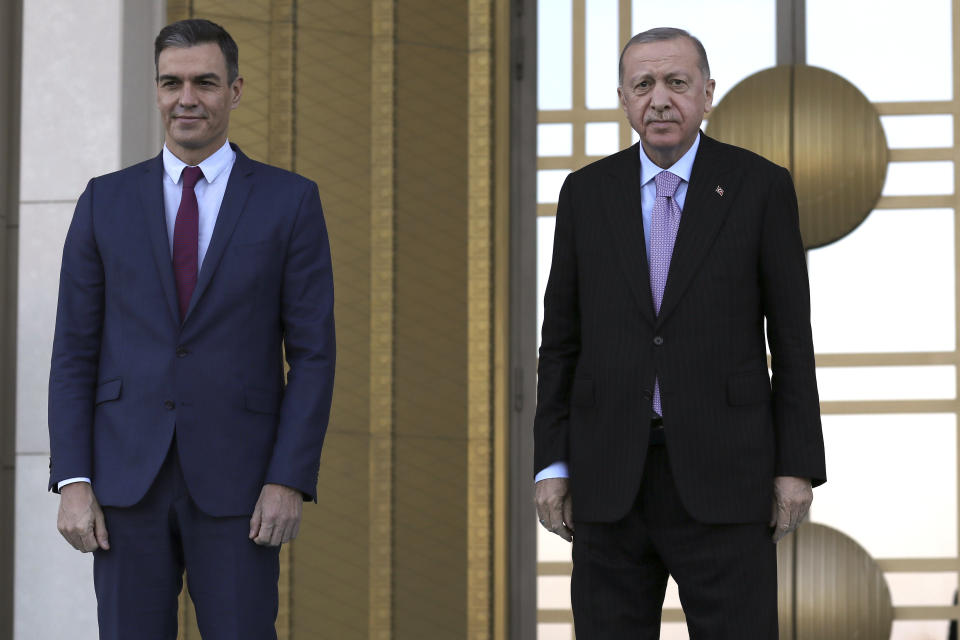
(126, 373)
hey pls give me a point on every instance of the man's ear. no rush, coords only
(708, 91)
(237, 90)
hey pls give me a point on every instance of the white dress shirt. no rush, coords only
(648, 194)
(216, 172)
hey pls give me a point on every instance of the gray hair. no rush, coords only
(660, 34)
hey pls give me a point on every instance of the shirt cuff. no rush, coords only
(556, 470)
(63, 483)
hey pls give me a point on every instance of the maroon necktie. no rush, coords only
(186, 240)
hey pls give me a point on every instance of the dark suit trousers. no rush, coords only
(232, 581)
(727, 574)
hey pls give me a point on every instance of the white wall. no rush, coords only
(81, 105)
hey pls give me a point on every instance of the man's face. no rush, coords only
(195, 99)
(665, 96)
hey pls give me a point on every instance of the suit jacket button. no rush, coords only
(658, 341)
(169, 405)
(182, 352)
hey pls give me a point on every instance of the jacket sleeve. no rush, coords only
(560, 341)
(306, 307)
(786, 300)
(76, 349)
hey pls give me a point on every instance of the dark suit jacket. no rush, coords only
(126, 373)
(738, 260)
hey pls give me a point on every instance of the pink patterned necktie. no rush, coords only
(663, 233)
(186, 240)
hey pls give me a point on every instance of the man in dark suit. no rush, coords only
(175, 445)
(660, 444)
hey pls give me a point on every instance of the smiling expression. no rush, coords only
(195, 99)
(665, 97)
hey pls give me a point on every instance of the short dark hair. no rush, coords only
(667, 33)
(189, 33)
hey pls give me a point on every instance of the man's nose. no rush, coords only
(659, 97)
(188, 97)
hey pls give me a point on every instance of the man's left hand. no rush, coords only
(276, 518)
(791, 502)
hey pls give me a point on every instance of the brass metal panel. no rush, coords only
(333, 146)
(914, 108)
(503, 590)
(824, 130)
(839, 155)
(178, 10)
(430, 535)
(479, 320)
(786, 587)
(431, 354)
(387, 105)
(280, 126)
(840, 591)
(756, 115)
(246, 10)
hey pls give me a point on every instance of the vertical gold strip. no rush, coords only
(501, 321)
(579, 114)
(178, 10)
(479, 336)
(625, 29)
(383, 74)
(280, 122)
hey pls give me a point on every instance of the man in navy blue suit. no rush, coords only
(175, 444)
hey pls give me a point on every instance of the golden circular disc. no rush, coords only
(823, 130)
(830, 588)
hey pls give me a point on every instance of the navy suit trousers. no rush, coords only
(231, 580)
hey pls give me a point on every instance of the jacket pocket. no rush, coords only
(752, 387)
(261, 401)
(582, 394)
(108, 390)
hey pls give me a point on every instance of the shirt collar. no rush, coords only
(682, 167)
(211, 167)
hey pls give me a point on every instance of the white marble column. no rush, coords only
(70, 132)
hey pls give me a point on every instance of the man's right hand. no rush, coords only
(555, 506)
(80, 519)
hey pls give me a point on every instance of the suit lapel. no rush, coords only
(151, 204)
(625, 219)
(234, 199)
(704, 211)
